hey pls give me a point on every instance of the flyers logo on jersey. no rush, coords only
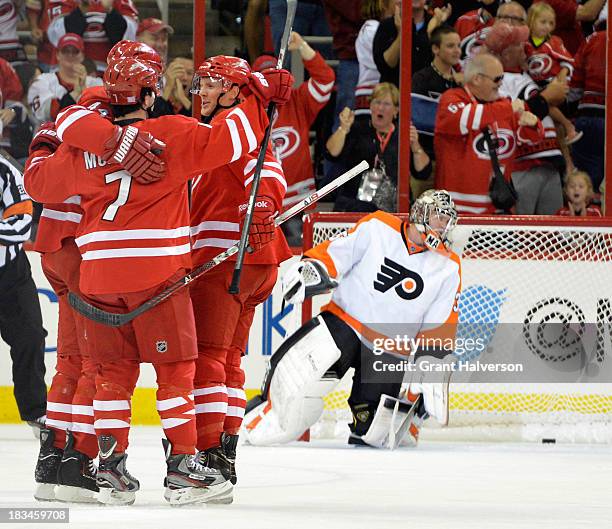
(407, 284)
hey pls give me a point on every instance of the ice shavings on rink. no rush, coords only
(330, 485)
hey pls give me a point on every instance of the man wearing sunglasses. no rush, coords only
(464, 113)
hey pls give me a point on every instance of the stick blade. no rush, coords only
(94, 313)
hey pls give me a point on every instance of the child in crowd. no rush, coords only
(579, 192)
(547, 58)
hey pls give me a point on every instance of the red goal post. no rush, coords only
(519, 270)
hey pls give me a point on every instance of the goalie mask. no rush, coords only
(434, 216)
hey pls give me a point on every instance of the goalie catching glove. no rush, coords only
(262, 229)
(137, 152)
(305, 279)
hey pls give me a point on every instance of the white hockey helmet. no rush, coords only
(434, 215)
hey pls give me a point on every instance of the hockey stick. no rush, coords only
(113, 319)
(248, 219)
(12, 161)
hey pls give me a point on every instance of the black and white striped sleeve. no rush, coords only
(16, 206)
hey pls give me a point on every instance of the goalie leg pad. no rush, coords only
(296, 384)
(390, 422)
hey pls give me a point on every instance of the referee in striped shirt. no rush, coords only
(21, 324)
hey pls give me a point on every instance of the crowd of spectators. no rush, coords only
(551, 53)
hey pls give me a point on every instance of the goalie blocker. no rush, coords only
(310, 364)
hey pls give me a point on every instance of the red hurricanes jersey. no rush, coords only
(544, 62)
(10, 47)
(472, 28)
(57, 221)
(591, 211)
(10, 86)
(292, 126)
(133, 237)
(97, 44)
(589, 81)
(216, 201)
(458, 136)
(45, 11)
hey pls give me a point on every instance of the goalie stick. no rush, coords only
(113, 319)
(246, 227)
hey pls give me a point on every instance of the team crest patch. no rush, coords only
(161, 346)
(362, 416)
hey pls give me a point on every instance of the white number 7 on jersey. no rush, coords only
(122, 196)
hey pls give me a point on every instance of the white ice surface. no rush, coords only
(324, 485)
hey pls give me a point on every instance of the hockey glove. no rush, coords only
(271, 85)
(262, 226)
(45, 138)
(137, 152)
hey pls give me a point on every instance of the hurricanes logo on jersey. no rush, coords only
(505, 145)
(407, 284)
(539, 66)
(286, 141)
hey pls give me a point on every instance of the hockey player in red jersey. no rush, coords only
(388, 277)
(129, 253)
(218, 206)
(68, 441)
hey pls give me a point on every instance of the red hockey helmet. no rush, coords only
(124, 80)
(135, 50)
(229, 70)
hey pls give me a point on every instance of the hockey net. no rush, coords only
(516, 270)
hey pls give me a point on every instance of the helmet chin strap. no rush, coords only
(218, 108)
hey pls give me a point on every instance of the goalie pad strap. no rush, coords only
(390, 423)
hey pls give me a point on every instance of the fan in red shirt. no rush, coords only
(578, 190)
(472, 28)
(291, 126)
(130, 252)
(219, 201)
(101, 23)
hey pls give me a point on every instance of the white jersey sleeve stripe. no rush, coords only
(248, 130)
(236, 143)
(463, 122)
(75, 116)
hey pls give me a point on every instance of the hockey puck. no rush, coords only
(549, 441)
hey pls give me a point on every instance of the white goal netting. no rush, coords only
(519, 276)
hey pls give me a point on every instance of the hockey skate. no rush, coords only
(76, 476)
(188, 481)
(49, 459)
(117, 485)
(229, 443)
(216, 458)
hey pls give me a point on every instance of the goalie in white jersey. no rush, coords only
(392, 280)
